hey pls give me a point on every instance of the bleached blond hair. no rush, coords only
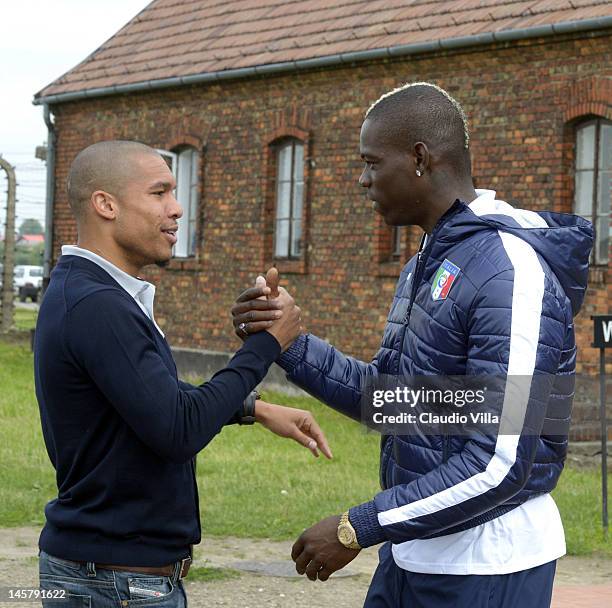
(455, 104)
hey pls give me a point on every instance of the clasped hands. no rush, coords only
(267, 307)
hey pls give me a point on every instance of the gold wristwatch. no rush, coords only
(346, 533)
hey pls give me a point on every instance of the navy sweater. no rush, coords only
(121, 430)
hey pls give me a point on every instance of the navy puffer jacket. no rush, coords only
(519, 279)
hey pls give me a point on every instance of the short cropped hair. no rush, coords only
(107, 166)
(423, 111)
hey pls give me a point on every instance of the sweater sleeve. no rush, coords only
(107, 336)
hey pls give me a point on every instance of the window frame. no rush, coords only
(285, 128)
(396, 243)
(278, 147)
(192, 209)
(595, 214)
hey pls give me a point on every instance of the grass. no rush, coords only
(206, 574)
(256, 484)
(578, 497)
(24, 319)
(27, 479)
(252, 483)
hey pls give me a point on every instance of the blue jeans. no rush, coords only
(88, 587)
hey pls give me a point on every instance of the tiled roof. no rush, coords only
(171, 38)
(32, 238)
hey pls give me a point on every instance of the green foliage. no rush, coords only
(31, 226)
(29, 255)
(26, 255)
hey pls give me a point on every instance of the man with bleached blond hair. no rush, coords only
(463, 519)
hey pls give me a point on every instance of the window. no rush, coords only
(289, 200)
(396, 245)
(184, 166)
(593, 176)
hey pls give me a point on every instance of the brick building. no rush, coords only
(258, 105)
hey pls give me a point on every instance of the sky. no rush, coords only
(39, 41)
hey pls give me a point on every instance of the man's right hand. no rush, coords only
(254, 312)
(289, 326)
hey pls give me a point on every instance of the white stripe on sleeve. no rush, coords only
(527, 295)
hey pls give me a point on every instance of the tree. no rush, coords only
(31, 226)
(31, 255)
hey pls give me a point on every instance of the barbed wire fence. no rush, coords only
(31, 187)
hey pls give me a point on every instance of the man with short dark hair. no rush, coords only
(466, 520)
(121, 429)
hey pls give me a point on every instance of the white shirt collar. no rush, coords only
(142, 291)
(482, 194)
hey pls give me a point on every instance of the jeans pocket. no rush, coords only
(149, 587)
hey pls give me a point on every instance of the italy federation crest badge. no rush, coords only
(443, 281)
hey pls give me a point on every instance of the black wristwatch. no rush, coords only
(247, 412)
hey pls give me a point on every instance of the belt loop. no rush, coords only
(91, 569)
(176, 575)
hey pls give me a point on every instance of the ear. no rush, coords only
(104, 205)
(421, 157)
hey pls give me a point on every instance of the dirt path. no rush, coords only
(19, 567)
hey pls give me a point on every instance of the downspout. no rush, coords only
(48, 254)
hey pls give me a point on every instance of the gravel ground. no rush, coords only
(19, 568)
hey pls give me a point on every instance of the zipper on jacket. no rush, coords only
(386, 445)
(445, 447)
(416, 276)
(425, 247)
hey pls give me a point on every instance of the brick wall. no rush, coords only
(522, 100)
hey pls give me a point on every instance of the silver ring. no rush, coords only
(243, 329)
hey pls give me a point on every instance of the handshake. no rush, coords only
(267, 307)
(318, 552)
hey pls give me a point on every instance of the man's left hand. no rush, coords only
(318, 553)
(293, 423)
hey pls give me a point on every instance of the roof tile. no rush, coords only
(182, 37)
